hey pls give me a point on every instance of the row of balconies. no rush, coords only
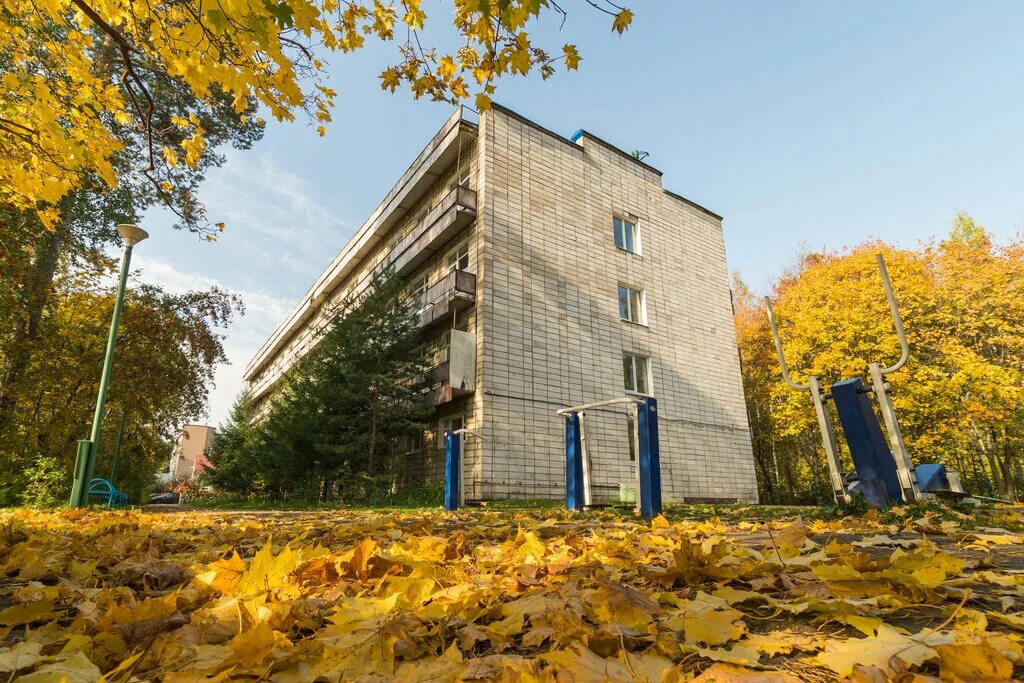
(446, 298)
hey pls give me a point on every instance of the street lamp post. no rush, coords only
(86, 459)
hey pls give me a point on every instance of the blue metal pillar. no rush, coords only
(649, 458)
(452, 470)
(573, 463)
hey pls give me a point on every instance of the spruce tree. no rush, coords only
(346, 407)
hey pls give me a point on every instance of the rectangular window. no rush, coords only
(453, 423)
(418, 287)
(418, 291)
(458, 258)
(636, 373)
(631, 305)
(461, 178)
(627, 237)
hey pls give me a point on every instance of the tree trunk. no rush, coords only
(1005, 461)
(35, 298)
(997, 480)
(373, 437)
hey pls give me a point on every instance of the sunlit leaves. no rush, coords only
(958, 398)
(59, 99)
(497, 596)
(622, 21)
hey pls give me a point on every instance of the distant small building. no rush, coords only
(189, 458)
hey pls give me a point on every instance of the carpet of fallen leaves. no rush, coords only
(481, 595)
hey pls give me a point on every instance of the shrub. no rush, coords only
(46, 484)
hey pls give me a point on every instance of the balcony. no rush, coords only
(455, 292)
(455, 211)
(455, 377)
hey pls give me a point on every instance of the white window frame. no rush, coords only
(418, 287)
(637, 316)
(635, 223)
(455, 251)
(636, 389)
(446, 423)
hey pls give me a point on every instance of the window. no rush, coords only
(417, 292)
(452, 423)
(636, 373)
(631, 305)
(418, 286)
(412, 442)
(458, 258)
(627, 237)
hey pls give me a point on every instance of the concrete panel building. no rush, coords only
(189, 456)
(551, 272)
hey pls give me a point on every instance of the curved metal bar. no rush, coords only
(896, 319)
(778, 348)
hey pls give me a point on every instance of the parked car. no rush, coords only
(169, 498)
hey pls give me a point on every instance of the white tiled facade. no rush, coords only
(546, 319)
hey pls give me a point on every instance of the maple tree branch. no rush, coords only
(602, 9)
(126, 56)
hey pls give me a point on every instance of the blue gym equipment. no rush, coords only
(454, 482)
(103, 488)
(884, 474)
(577, 457)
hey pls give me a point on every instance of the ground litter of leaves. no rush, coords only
(540, 595)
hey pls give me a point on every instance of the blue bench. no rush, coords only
(102, 487)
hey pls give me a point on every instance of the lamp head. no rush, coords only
(131, 234)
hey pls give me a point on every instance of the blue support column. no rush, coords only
(573, 463)
(649, 458)
(452, 470)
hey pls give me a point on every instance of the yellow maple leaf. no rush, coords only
(622, 21)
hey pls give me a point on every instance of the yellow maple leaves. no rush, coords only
(71, 71)
(958, 397)
(430, 596)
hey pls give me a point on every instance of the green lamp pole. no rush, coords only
(86, 460)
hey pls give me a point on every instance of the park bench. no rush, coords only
(102, 487)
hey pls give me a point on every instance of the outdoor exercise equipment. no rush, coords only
(884, 476)
(578, 465)
(454, 482)
(102, 487)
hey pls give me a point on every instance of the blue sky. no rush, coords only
(803, 123)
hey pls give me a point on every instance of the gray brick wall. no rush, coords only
(550, 329)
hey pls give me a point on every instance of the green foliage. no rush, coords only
(47, 483)
(232, 454)
(167, 351)
(336, 429)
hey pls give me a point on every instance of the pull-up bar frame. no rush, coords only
(577, 459)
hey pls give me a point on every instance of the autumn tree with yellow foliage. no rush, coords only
(960, 399)
(59, 103)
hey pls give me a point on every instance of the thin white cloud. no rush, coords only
(255, 196)
(280, 234)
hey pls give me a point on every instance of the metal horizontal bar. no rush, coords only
(599, 404)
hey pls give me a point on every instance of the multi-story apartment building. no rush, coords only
(551, 272)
